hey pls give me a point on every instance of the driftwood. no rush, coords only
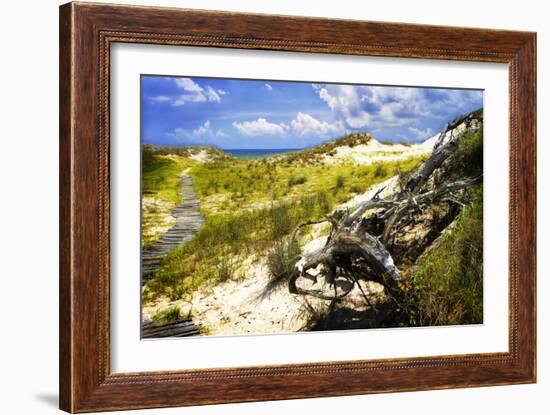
(353, 251)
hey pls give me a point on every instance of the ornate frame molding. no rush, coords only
(86, 33)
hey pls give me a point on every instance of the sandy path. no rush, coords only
(237, 307)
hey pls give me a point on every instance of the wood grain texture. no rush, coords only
(86, 33)
(65, 246)
(180, 328)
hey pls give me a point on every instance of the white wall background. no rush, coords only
(28, 205)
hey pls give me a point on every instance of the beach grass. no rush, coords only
(236, 184)
(160, 175)
(447, 289)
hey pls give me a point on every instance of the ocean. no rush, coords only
(247, 153)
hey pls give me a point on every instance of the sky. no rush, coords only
(260, 114)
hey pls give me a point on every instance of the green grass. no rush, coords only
(340, 182)
(469, 156)
(213, 152)
(161, 175)
(380, 170)
(393, 143)
(225, 186)
(225, 267)
(161, 186)
(281, 260)
(448, 287)
(293, 181)
(167, 315)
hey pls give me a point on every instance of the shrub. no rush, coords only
(354, 189)
(212, 185)
(380, 170)
(293, 181)
(167, 315)
(340, 182)
(224, 268)
(281, 260)
(469, 155)
(315, 316)
(307, 207)
(323, 203)
(234, 230)
(281, 221)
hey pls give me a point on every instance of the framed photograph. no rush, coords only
(260, 207)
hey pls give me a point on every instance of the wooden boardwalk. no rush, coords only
(188, 222)
(181, 328)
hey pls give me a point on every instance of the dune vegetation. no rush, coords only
(447, 287)
(264, 212)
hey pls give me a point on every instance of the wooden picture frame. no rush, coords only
(86, 33)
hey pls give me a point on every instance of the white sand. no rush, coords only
(237, 307)
(158, 212)
(375, 152)
(202, 156)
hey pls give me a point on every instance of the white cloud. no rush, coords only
(305, 124)
(160, 99)
(421, 135)
(260, 127)
(212, 94)
(222, 92)
(268, 87)
(188, 85)
(201, 135)
(203, 130)
(178, 102)
(376, 107)
(345, 101)
(193, 92)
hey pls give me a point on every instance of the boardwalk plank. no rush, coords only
(181, 328)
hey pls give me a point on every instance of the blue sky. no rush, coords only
(254, 114)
